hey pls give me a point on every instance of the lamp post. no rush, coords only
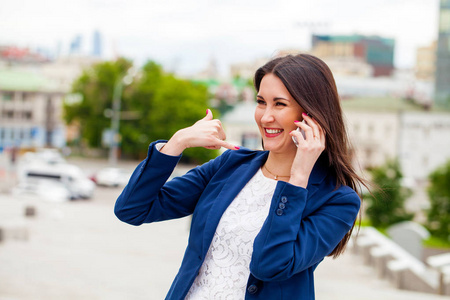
(115, 117)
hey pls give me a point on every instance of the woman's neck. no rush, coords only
(279, 164)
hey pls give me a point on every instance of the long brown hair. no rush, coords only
(311, 83)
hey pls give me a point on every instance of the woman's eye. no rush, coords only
(280, 104)
(260, 101)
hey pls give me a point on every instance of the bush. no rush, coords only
(439, 193)
(386, 202)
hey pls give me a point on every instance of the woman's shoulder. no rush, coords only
(243, 154)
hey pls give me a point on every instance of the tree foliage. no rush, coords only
(162, 103)
(386, 203)
(439, 193)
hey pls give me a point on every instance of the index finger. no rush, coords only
(227, 145)
(313, 124)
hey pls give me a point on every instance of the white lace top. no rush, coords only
(225, 270)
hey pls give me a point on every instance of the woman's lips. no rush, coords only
(272, 132)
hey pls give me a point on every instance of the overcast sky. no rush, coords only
(184, 35)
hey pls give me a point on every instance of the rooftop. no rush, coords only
(25, 81)
(384, 104)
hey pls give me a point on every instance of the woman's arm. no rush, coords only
(148, 198)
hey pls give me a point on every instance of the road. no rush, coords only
(79, 250)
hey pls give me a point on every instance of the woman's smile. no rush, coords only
(273, 132)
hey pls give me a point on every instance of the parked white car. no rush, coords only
(46, 190)
(112, 177)
(70, 176)
(45, 155)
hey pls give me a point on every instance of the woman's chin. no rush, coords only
(277, 148)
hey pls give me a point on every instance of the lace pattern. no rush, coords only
(225, 271)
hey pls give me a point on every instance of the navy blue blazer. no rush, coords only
(303, 225)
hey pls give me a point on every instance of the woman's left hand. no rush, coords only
(309, 149)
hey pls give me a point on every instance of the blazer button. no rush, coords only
(279, 212)
(282, 206)
(283, 199)
(252, 289)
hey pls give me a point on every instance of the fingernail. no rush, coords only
(206, 111)
(304, 114)
(296, 121)
(237, 148)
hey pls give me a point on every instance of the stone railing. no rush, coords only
(395, 264)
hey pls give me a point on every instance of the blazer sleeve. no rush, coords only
(149, 197)
(289, 242)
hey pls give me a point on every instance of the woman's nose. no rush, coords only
(267, 116)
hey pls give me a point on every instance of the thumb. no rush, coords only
(209, 115)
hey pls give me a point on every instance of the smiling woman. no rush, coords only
(261, 219)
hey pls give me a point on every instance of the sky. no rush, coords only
(184, 35)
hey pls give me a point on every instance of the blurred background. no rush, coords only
(85, 86)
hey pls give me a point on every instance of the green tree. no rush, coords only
(439, 193)
(96, 86)
(386, 203)
(162, 103)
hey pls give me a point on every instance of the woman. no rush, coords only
(262, 220)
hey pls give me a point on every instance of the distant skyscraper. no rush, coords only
(442, 85)
(75, 45)
(97, 44)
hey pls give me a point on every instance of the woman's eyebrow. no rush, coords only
(280, 98)
(274, 99)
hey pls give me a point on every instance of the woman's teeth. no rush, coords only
(273, 131)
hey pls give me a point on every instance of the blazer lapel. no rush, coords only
(318, 174)
(234, 184)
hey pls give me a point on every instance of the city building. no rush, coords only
(76, 45)
(424, 142)
(442, 82)
(97, 44)
(30, 110)
(240, 126)
(65, 69)
(246, 69)
(358, 54)
(426, 62)
(382, 129)
(32, 91)
(227, 93)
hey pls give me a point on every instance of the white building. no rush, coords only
(240, 126)
(30, 110)
(374, 136)
(424, 142)
(31, 101)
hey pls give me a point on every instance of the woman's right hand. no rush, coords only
(206, 132)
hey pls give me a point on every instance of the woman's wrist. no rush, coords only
(297, 180)
(175, 146)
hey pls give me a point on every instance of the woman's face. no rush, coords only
(275, 114)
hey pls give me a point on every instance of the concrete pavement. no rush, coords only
(79, 250)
